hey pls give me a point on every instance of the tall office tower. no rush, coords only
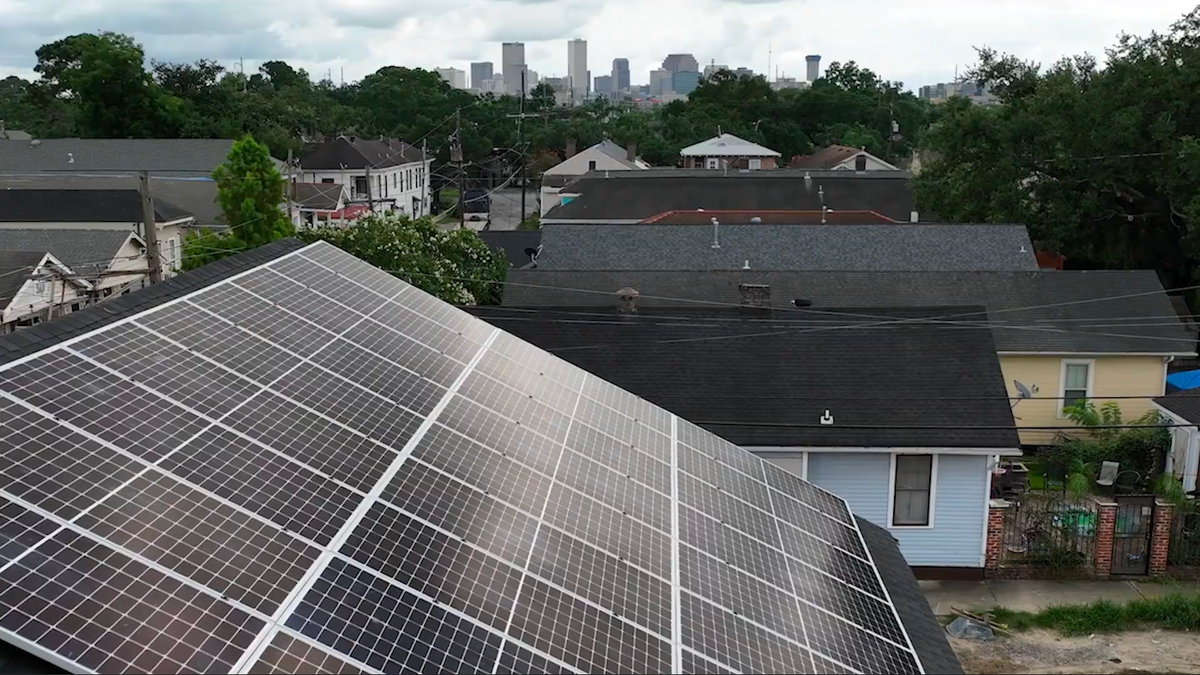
(480, 72)
(457, 78)
(814, 66)
(620, 75)
(660, 81)
(577, 70)
(603, 84)
(678, 63)
(512, 62)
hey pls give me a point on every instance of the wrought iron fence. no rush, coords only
(1185, 537)
(1051, 533)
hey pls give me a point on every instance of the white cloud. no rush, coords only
(917, 41)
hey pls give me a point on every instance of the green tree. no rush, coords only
(454, 265)
(250, 191)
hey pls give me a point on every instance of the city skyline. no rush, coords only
(920, 42)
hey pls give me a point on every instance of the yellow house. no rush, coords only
(1064, 335)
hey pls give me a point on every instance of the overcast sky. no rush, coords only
(914, 41)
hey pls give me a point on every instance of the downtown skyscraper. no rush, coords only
(620, 75)
(578, 78)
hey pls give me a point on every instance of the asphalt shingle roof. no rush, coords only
(358, 153)
(637, 195)
(195, 194)
(1185, 403)
(75, 248)
(198, 156)
(891, 247)
(317, 196)
(15, 269)
(1070, 312)
(36, 338)
(81, 206)
(715, 365)
(512, 243)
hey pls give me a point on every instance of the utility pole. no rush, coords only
(424, 177)
(291, 186)
(370, 194)
(150, 228)
(456, 156)
(242, 70)
(521, 142)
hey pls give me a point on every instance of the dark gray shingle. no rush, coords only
(174, 155)
(75, 248)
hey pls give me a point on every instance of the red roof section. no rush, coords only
(770, 217)
(825, 158)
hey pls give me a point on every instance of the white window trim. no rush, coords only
(712, 163)
(755, 164)
(933, 489)
(1062, 381)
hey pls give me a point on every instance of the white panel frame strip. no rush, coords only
(289, 605)
(676, 606)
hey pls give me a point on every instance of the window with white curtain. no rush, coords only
(913, 490)
(1075, 382)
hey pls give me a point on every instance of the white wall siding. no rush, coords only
(956, 538)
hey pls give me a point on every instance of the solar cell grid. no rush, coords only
(502, 435)
(628, 405)
(544, 390)
(725, 478)
(823, 665)
(20, 529)
(733, 547)
(517, 406)
(112, 614)
(54, 468)
(728, 510)
(516, 660)
(607, 529)
(434, 335)
(537, 361)
(321, 280)
(721, 450)
(392, 346)
(807, 493)
(854, 647)
(291, 296)
(287, 654)
(184, 377)
(501, 477)
(262, 481)
(854, 571)
(98, 402)
(380, 376)
(583, 636)
(388, 628)
(356, 270)
(816, 523)
(361, 410)
(625, 429)
(433, 563)
(262, 318)
(619, 491)
(743, 645)
(429, 307)
(838, 598)
(612, 453)
(233, 348)
(698, 665)
(475, 517)
(602, 579)
(741, 593)
(312, 440)
(203, 539)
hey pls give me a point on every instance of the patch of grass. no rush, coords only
(1171, 611)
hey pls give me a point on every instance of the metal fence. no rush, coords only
(1050, 533)
(1185, 538)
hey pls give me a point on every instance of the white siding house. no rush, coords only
(603, 156)
(37, 287)
(388, 175)
(842, 158)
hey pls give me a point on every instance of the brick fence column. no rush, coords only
(1160, 537)
(1106, 522)
(994, 547)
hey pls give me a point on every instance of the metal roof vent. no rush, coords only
(716, 243)
(755, 220)
(746, 265)
(627, 300)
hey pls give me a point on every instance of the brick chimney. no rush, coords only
(630, 151)
(627, 300)
(570, 148)
(756, 299)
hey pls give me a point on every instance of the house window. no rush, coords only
(756, 164)
(1075, 382)
(860, 163)
(913, 477)
(591, 165)
(394, 180)
(713, 163)
(360, 186)
(327, 180)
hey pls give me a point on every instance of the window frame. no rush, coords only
(755, 164)
(1090, 392)
(591, 165)
(933, 485)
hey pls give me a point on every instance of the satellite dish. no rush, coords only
(1023, 391)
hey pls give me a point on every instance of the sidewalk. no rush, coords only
(1034, 595)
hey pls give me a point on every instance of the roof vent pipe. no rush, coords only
(914, 217)
(716, 243)
(821, 193)
(824, 210)
(746, 265)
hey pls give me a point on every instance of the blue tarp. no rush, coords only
(1187, 379)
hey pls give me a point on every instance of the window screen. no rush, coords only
(1075, 385)
(914, 481)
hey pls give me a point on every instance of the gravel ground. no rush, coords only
(1047, 652)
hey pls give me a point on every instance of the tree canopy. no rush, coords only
(1102, 163)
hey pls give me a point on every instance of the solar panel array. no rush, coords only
(315, 467)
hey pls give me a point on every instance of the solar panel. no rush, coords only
(312, 466)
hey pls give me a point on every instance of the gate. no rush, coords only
(1131, 535)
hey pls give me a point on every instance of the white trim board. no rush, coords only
(795, 451)
(1096, 354)
(933, 487)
